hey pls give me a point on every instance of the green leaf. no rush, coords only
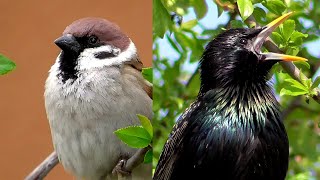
(176, 6)
(304, 63)
(297, 84)
(147, 74)
(257, 1)
(316, 82)
(190, 24)
(134, 136)
(297, 37)
(275, 6)
(178, 101)
(293, 50)
(160, 25)
(277, 38)
(236, 24)
(6, 65)
(291, 93)
(200, 8)
(260, 15)
(245, 8)
(193, 85)
(173, 44)
(146, 124)
(288, 28)
(220, 11)
(183, 40)
(148, 156)
(304, 80)
(294, 88)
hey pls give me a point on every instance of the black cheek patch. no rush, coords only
(104, 55)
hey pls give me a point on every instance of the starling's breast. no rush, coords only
(239, 136)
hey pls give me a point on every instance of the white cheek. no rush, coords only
(87, 59)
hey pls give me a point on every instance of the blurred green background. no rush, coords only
(182, 28)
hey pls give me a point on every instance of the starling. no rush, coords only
(233, 130)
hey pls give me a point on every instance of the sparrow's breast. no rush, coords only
(83, 115)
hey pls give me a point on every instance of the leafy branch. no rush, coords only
(136, 137)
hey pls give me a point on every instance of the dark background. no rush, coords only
(27, 32)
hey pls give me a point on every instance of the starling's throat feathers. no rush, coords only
(245, 108)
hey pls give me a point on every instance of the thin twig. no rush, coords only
(44, 168)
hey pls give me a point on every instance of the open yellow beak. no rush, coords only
(262, 36)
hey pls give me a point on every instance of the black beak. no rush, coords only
(68, 43)
(262, 36)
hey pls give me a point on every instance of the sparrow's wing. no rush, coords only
(174, 145)
(134, 68)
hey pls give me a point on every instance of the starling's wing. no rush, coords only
(173, 145)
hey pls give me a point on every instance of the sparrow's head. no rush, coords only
(93, 43)
(234, 57)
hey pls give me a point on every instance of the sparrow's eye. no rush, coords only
(93, 40)
(243, 41)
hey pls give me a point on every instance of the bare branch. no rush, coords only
(44, 168)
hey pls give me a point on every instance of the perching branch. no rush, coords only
(124, 168)
(137, 158)
(52, 160)
(44, 168)
(132, 163)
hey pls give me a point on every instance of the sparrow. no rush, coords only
(233, 130)
(95, 87)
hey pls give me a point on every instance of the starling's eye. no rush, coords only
(243, 41)
(93, 40)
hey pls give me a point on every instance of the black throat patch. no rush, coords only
(68, 62)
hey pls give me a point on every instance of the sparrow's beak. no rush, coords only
(262, 36)
(68, 43)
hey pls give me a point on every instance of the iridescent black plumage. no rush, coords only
(233, 130)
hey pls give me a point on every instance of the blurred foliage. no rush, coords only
(175, 88)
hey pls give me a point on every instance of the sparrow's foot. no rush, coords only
(120, 170)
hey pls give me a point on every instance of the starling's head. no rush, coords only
(235, 57)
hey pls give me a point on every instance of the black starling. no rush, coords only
(233, 131)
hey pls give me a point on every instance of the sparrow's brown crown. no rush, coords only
(106, 31)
